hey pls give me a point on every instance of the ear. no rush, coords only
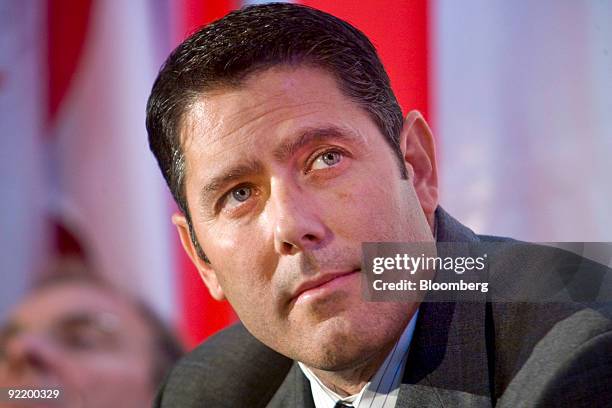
(419, 152)
(205, 269)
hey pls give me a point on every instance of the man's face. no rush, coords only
(90, 343)
(285, 178)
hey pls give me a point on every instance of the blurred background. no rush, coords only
(519, 95)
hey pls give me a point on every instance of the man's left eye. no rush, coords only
(327, 159)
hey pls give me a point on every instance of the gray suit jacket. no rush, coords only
(462, 354)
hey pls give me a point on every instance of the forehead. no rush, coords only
(267, 108)
(280, 89)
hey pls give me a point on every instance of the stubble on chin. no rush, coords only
(344, 342)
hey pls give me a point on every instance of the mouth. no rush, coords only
(323, 285)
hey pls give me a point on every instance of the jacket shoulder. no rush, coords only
(230, 369)
(570, 366)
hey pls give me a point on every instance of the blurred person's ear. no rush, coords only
(419, 153)
(205, 269)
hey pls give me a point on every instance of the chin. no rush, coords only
(344, 355)
(338, 344)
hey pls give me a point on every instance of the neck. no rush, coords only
(352, 380)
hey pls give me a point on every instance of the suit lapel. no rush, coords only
(447, 364)
(293, 392)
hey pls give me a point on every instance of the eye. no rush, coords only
(327, 159)
(238, 195)
(83, 339)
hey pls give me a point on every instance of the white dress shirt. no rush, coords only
(381, 391)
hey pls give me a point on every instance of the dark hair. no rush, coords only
(254, 38)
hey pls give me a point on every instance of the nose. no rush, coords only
(27, 352)
(297, 219)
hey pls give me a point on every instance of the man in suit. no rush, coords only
(283, 144)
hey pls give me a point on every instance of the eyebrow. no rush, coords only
(231, 174)
(314, 135)
(281, 154)
(12, 328)
(78, 319)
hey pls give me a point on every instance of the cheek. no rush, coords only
(236, 248)
(91, 378)
(244, 261)
(367, 210)
(115, 368)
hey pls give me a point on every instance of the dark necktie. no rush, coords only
(341, 404)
